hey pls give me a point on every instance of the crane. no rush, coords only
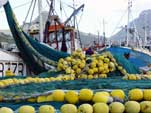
(54, 25)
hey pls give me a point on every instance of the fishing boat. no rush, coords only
(59, 35)
(11, 63)
(93, 80)
(132, 44)
(37, 55)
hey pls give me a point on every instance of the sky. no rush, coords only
(113, 12)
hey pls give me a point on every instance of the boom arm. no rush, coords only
(74, 13)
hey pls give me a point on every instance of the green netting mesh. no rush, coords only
(96, 85)
(109, 83)
(45, 50)
(37, 65)
(126, 64)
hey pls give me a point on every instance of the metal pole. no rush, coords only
(56, 37)
(98, 37)
(74, 15)
(40, 20)
(145, 31)
(145, 35)
(129, 11)
(104, 32)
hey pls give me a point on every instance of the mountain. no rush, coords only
(5, 36)
(139, 25)
(143, 21)
(87, 39)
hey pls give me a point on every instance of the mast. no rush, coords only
(145, 30)
(128, 19)
(104, 32)
(74, 18)
(98, 37)
(40, 20)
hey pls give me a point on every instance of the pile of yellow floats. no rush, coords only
(77, 66)
(137, 101)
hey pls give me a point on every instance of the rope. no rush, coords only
(78, 32)
(48, 3)
(61, 7)
(80, 17)
(21, 5)
(32, 12)
(118, 23)
(27, 13)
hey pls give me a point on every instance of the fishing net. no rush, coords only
(108, 83)
(33, 53)
(114, 81)
(96, 85)
(29, 49)
(126, 64)
(46, 51)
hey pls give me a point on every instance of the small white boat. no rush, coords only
(11, 61)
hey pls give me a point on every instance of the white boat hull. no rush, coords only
(13, 61)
